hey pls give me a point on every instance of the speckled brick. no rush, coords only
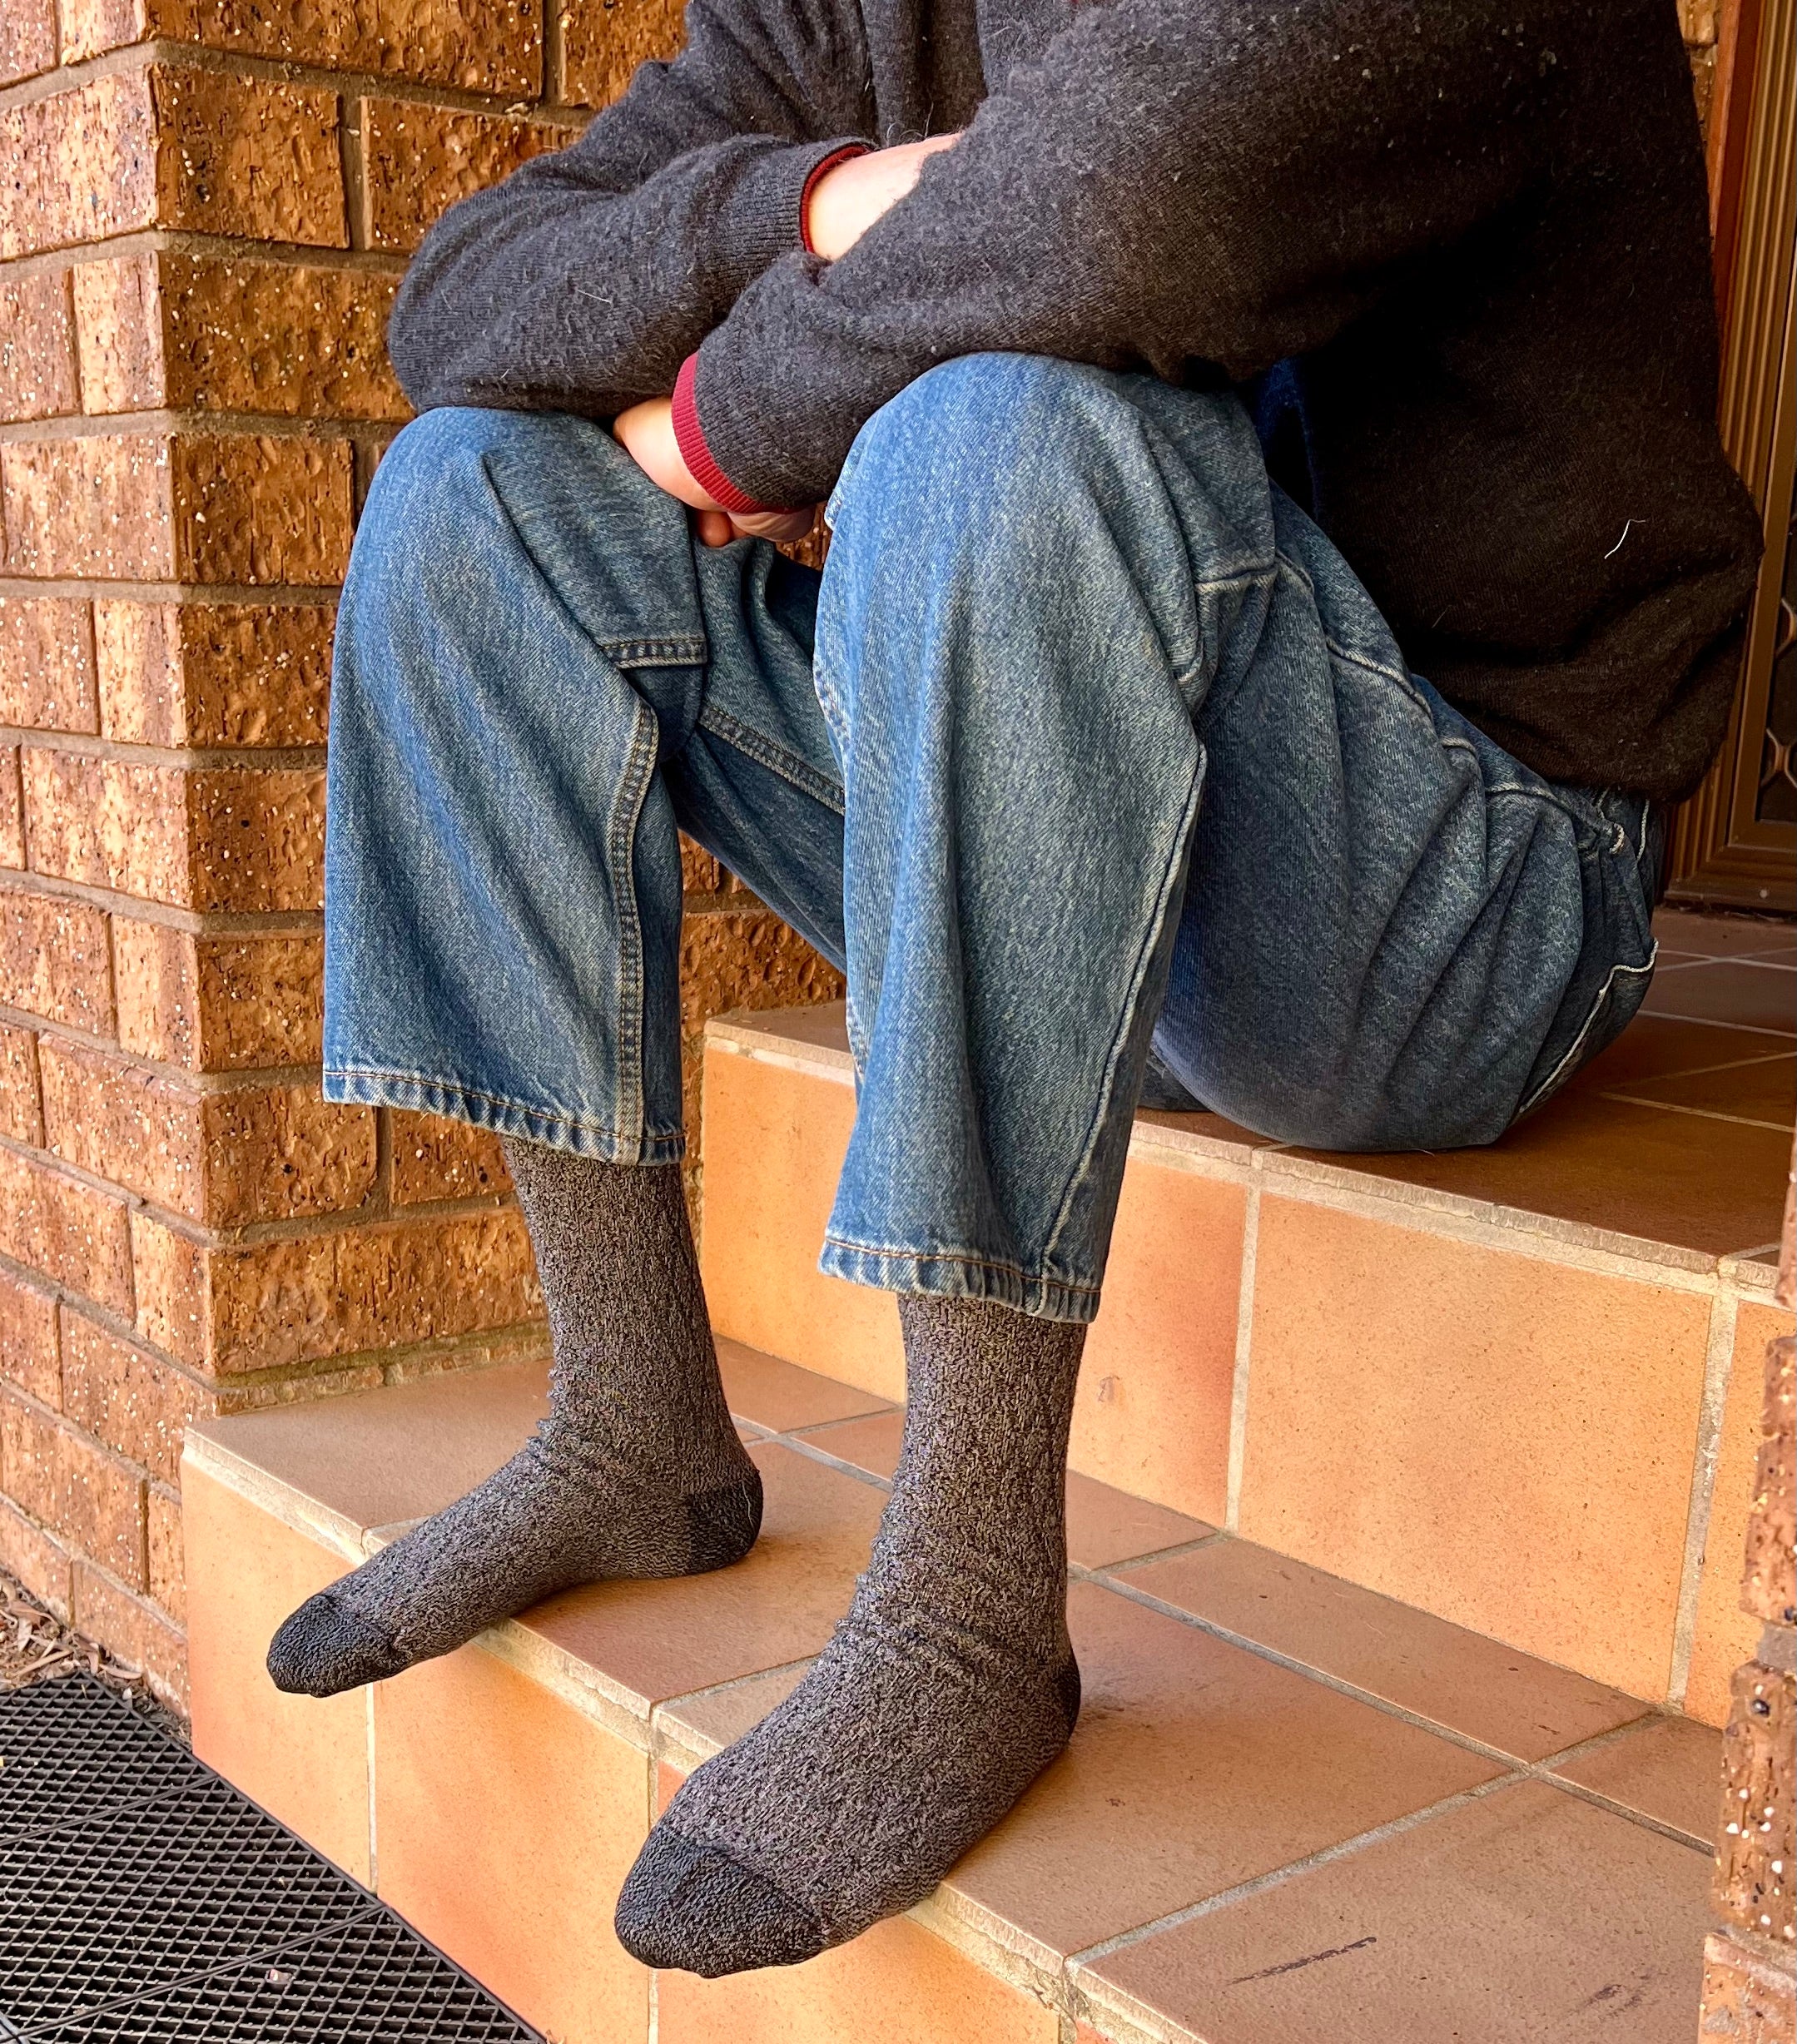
(420, 160)
(55, 961)
(36, 346)
(11, 809)
(1754, 1882)
(83, 1494)
(219, 1003)
(700, 873)
(36, 1558)
(482, 46)
(27, 39)
(746, 958)
(83, 165)
(20, 1115)
(1745, 2001)
(47, 665)
(1769, 1588)
(31, 1351)
(213, 674)
(437, 1159)
(132, 1629)
(248, 157)
(134, 1403)
(167, 1570)
(68, 1231)
(225, 1310)
(257, 1153)
(227, 838)
(97, 507)
(603, 41)
(206, 334)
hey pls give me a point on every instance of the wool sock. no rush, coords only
(637, 1471)
(945, 1691)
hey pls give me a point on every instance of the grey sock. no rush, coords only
(636, 1471)
(944, 1692)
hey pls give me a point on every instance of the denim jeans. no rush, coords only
(1086, 740)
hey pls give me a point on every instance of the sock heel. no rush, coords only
(724, 1523)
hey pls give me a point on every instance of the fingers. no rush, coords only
(779, 526)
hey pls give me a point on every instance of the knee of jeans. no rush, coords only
(431, 482)
(974, 435)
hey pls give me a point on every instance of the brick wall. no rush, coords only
(1749, 1996)
(204, 208)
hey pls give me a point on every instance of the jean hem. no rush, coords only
(945, 1275)
(360, 1086)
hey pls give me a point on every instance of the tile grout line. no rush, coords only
(1702, 1113)
(1718, 1364)
(374, 1862)
(1244, 1331)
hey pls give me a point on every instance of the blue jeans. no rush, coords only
(1085, 740)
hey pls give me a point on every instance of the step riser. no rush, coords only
(1513, 1432)
(499, 1816)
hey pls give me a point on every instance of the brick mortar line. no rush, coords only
(167, 422)
(167, 915)
(220, 247)
(185, 759)
(97, 589)
(196, 1085)
(348, 84)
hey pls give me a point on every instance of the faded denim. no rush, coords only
(1085, 740)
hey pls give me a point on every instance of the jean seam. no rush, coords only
(690, 651)
(793, 771)
(1145, 959)
(1596, 1009)
(620, 841)
(643, 1133)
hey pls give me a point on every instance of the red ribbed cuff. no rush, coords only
(818, 170)
(690, 440)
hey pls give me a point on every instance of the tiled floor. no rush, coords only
(1291, 1806)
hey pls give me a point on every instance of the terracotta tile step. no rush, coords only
(1294, 1808)
(1516, 1388)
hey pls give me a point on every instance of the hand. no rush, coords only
(646, 432)
(846, 201)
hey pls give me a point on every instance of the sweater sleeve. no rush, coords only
(580, 282)
(1189, 187)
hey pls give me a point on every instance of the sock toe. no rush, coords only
(692, 1908)
(324, 1648)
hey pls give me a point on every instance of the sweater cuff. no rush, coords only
(762, 216)
(689, 437)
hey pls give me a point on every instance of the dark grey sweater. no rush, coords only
(1479, 225)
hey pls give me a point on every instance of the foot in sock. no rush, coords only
(945, 1691)
(637, 1471)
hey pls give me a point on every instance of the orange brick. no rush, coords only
(37, 344)
(240, 507)
(85, 1497)
(201, 333)
(20, 1113)
(746, 958)
(133, 1629)
(437, 1159)
(11, 809)
(603, 42)
(219, 1003)
(226, 1310)
(260, 1153)
(27, 39)
(1745, 2001)
(420, 160)
(47, 666)
(213, 674)
(1754, 1883)
(55, 960)
(31, 1351)
(1769, 1590)
(168, 1583)
(35, 1558)
(83, 165)
(70, 1231)
(482, 46)
(137, 1404)
(234, 838)
(248, 157)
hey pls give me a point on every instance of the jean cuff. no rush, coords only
(960, 1276)
(358, 1086)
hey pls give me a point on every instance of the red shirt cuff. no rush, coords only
(843, 155)
(690, 440)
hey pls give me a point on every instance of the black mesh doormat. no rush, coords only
(142, 1898)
